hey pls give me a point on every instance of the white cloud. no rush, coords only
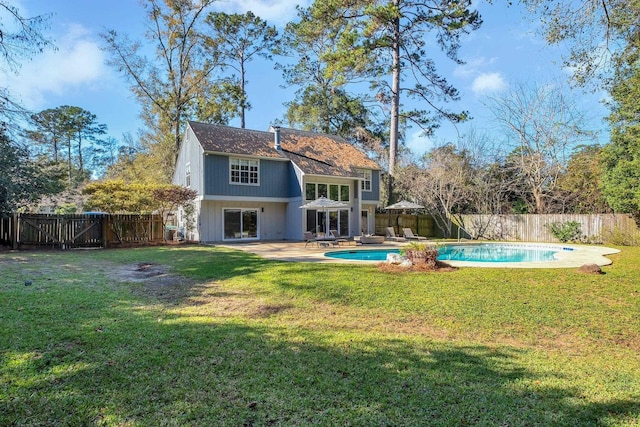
(418, 143)
(277, 12)
(77, 62)
(488, 82)
(472, 67)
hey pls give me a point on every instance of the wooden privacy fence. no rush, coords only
(78, 231)
(423, 225)
(533, 228)
(526, 228)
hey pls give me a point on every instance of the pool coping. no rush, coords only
(297, 252)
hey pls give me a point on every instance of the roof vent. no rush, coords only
(276, 138)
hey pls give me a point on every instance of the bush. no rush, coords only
(569, 231)
(422, 255)
(620, 237)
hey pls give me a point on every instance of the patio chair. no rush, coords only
(338, 239)
(309, 237)
(409, 235)
(391, 235)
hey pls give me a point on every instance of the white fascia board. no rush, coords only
(247, 199)
(246, 156)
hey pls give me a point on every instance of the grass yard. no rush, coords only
(197, 335)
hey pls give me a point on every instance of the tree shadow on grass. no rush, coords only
(177, 372)
(104, 362)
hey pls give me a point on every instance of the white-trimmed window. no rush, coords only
(337, 192)
(366, 179)
(244, 171)
(187, 175)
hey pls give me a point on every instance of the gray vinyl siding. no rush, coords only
(275, 179)
(190, 153)
(374, 194)
(271, 219)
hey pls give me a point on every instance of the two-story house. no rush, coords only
(251, 184)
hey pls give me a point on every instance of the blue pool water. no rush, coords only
(488, 252)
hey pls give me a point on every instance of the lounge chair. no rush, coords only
(409, 235)
(391, 235)
(338, 238)
(309, 238)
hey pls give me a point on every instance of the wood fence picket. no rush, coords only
(79, 230)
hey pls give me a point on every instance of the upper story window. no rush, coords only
(244, 171)
(187, 175)
(366, 179)
(337, 192)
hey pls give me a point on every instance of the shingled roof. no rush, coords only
(313, 153)
(226, 139)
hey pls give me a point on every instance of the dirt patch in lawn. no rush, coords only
(157, 282)
(200, 298)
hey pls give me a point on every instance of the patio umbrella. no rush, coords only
(326, 204)
(402, 205)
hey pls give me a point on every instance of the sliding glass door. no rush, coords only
(240, 224)
(338, 220)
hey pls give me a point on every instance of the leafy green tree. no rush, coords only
(235, 40)
(119, 197)
(22, 180)
(322, 102)
(579, 185)
(621, 157)
(82, 125)
(48, 131)
(388, 40)
(70, 127)
(334, 112)
(116, 196)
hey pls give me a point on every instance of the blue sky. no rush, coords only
(505, 51)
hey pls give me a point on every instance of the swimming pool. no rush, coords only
(482, 253)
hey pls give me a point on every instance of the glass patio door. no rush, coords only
(338, 220)
(240, 224)
(364, 222)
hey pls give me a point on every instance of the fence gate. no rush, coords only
(61, 231)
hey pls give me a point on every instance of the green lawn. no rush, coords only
(232, 339)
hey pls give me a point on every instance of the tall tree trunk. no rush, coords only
(244, 98)
(80, 161)
(395, 104)
(70, 165)
(55, 150)
(176, 134)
